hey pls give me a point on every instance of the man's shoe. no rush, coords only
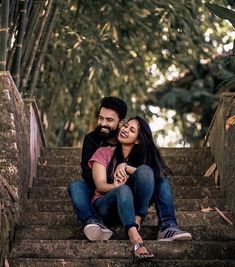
(173, 233)
(96, 231)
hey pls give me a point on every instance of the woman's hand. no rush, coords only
(118, 182)
(120, 174)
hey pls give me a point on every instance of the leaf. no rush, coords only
(223, 216)
(211, 170)
(207, 209)
(222, 12)
(230, 122)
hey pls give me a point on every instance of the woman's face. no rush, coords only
(129, 132)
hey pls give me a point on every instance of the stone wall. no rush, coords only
(222, 144)
(14, 159)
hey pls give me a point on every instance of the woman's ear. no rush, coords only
(121, 122)
(137, 141)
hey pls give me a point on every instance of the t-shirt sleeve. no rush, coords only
(102, 156)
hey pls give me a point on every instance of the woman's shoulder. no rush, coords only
(102, 155)
(105, 152)
(105, 149)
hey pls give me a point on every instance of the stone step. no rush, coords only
(32, 262)
(175, 152)
(83, 249)
(180, 204)
(205, 233)
(76, 159)
(66, 219)
(193, 169)
(175, 180)
(178, 192)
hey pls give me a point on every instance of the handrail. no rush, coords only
(215, 115)
(36, 111)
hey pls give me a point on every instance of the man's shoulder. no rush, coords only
(93, 137)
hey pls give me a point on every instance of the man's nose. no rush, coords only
(103, 123)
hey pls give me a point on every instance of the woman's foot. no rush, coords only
(140, 253)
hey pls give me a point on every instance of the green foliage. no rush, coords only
(104, 48)
(222, 12)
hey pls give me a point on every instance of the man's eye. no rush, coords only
(110, 120)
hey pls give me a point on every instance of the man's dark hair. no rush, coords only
(115, 104)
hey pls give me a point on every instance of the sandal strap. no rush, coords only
(137, 246)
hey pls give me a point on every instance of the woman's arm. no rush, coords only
(99, 173)
(122, 171)
(129, 169)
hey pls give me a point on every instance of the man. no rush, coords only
(112, 112)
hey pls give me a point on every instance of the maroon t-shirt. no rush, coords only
(103, 156)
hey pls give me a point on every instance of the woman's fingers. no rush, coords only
(120, 177)
(122, 173)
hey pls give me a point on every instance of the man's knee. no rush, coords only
(76, 187)
(163, 182)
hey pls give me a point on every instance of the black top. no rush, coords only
(91, 143)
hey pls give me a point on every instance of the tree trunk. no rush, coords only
(30, 34)
(35, 46)
(4, 34)
(48, 33)
(19, 42)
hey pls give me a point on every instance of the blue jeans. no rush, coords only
(125, 202)
(164, 203)
(81, 195)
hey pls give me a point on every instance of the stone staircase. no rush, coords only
(50, 235)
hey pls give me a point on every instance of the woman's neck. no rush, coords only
(126, 149)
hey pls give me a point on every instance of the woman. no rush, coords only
(124, 180)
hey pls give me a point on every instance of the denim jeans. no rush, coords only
(81, 195)
(123, 203)
(164, 203)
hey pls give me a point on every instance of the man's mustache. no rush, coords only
(104, 127)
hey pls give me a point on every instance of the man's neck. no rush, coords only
(112, 141)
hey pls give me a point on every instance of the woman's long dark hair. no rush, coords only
(145, 152)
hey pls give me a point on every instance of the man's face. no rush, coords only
(108, 122)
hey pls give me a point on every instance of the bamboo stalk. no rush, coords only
(4, 34)
(48, 33)
(19, 42)
(35, 46)
(11, 32)
(30, 33)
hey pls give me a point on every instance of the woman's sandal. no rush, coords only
(141, 256)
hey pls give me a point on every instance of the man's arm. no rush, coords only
(88, 150)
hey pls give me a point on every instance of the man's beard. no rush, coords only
(107, 135)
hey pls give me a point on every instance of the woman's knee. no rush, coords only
(144, 174)
(123, 192)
